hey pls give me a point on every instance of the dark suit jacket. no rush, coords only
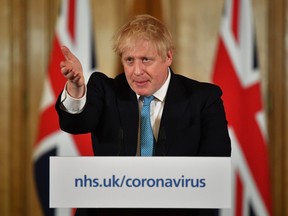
(193, 121)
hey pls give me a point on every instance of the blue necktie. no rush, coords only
(146, 132)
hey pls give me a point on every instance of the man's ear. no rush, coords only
(169, 57)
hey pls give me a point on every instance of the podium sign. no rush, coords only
(140, 182)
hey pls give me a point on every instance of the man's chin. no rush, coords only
(143, 93)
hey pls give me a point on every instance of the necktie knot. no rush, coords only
(147, 100)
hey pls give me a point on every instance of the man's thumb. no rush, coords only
(67, 53)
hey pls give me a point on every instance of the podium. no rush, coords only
(140, 182)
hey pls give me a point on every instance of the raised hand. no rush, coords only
(72, 70)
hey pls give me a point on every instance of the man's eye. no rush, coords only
(129, 60)
(145, 60)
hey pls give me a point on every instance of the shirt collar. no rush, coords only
(160, 94)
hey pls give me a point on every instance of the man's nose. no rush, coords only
(138, 68)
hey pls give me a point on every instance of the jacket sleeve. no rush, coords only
(87, 120)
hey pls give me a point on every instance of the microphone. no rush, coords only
(162, 141)
(120, 141)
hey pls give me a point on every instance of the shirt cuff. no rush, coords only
(70, 104)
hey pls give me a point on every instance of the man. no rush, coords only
(187, 116)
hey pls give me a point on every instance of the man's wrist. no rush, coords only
(75, 91)
(71, 104)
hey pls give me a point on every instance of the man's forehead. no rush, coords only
(143, 49)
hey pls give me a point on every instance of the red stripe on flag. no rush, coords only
(241, 106)
(48, 123)
(71, 17)
(83, 143)
(239, 196)
(235, 19)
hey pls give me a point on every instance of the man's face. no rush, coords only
(144, 68)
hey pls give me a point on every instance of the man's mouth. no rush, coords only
(141, 83)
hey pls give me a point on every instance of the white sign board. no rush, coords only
(140, 182)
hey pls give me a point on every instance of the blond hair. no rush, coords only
(143, 27)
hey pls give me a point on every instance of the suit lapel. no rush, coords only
(174, 108)
(129, 116)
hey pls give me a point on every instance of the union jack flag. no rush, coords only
(74, 30)
(236, 71)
